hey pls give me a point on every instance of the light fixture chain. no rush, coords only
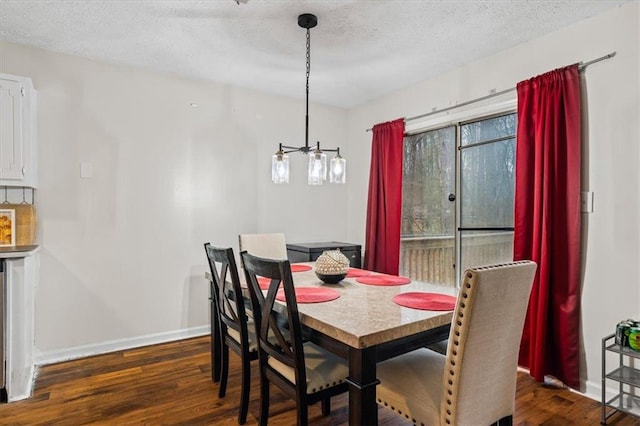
(308, 57)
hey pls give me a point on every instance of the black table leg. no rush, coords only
(363, 410)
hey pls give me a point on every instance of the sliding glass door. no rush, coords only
(427, 250)
(486, 191)
(458, 191)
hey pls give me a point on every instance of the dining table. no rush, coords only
(365, 326)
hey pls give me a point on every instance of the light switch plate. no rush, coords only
(586, 201)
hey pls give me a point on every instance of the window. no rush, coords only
(458, 192)
(427, 249)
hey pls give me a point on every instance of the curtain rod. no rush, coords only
(581, 67)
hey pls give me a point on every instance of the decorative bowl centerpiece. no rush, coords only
(332, 266)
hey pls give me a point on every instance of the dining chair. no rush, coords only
(270, 246)
(302, 370)
(475, 382)
(236, 330)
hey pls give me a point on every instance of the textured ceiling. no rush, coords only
(360, 50)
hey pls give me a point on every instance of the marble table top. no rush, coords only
(365, 315)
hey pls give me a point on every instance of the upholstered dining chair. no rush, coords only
(302, 370)
(237, 332)
(270, 246)
(474, 384)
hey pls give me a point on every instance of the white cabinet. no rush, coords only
(625, 375)
(18, 136)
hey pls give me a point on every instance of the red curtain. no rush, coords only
(384, 207)
(547, 220)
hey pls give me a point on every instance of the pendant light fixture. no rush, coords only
(317, 170)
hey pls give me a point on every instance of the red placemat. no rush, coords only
(311, 294)
(296, 267)
(426, 301)
(263, 282)
(382, 279)
(355, 272)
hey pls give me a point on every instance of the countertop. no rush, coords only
(18, 251)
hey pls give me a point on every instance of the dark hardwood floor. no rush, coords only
(171, 384)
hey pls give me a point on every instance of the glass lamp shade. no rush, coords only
(317, 168)
(338, 170)
(280, 168)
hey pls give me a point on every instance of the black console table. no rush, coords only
(308, 252)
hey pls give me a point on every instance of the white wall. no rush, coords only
(610, 289)
(122, 261)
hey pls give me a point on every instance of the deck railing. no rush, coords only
(432, 259)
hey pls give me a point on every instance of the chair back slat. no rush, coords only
(274, 319)
(226, 290)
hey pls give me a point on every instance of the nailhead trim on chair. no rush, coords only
(460, 332)
(328, 385)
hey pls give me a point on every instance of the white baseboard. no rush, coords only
(66, 354)
(594, 390)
